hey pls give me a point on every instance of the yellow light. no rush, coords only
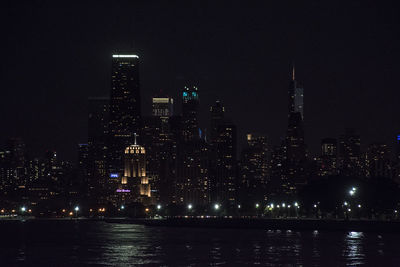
(91, 210)
(71, 213)
(63, 210)
(147, 209)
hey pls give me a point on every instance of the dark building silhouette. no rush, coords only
(190, 106)
(378, 161)
(192, 184)
(161, 149)
(255, 169)
(222, 151)
(98, 125)
(349, 154)
(125, 107)
(295, 147)
(328, 158)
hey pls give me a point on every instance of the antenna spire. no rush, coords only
(135, 135)
(293, 72)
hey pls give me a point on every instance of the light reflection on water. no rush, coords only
(99, 243)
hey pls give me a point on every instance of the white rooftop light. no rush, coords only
(122, 56)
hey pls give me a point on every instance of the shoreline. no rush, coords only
(241, 223)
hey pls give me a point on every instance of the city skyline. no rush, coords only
(332, 65)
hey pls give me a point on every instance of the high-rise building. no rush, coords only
(134, 186)
(296, 96)
(190, 106)
(163, 107)
(377, 161)
(160, 149)
(254, 169)
(328, 159)
(125, 107)
(349, 154)
(98, 123)
(192, 180)
(222, 151)
(295, 146)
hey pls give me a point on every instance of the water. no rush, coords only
(77, 243)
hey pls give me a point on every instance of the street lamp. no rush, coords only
(189, 206)
(23, 209)
(122, 207)
(216, 206)
(158, 207)
(257, 205)
(76, 211)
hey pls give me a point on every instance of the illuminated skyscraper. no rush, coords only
(125, 107)
(296, 96)
(134, 185)
(163, 107)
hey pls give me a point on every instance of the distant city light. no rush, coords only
(257, 205)
(125, 56)
(189, 206)
(123, 190)
(114, 175)
(296, 204)
(23, 209)
(158, 206)
(76, 208)
(239, 206)
(216, 206)
(283, 205)
(122, 207)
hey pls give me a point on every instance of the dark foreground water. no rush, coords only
(77, 243)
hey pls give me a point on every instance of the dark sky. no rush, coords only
(54, 56)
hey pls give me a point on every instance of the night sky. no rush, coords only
(347, 57)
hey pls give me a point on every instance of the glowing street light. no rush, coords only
(257, 205)
(23, 209)
(239, 206)
(158, 206)
(122, 207)
(76, 210)
(359, 205)
(190, 206)
(283, 205)
(216, 206)
(345, 203)
(296, 204)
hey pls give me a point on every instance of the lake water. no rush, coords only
(77, 243)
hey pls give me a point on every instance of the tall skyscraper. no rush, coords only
(254, 169)
(190, 106)
(125, 107)
(222, 151)
(192, 183)
(134, 186)
(328, 159)
(296, 96)
(98, 124)
(295, 146)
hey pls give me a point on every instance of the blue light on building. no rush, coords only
(398, 137)
(114, 175)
